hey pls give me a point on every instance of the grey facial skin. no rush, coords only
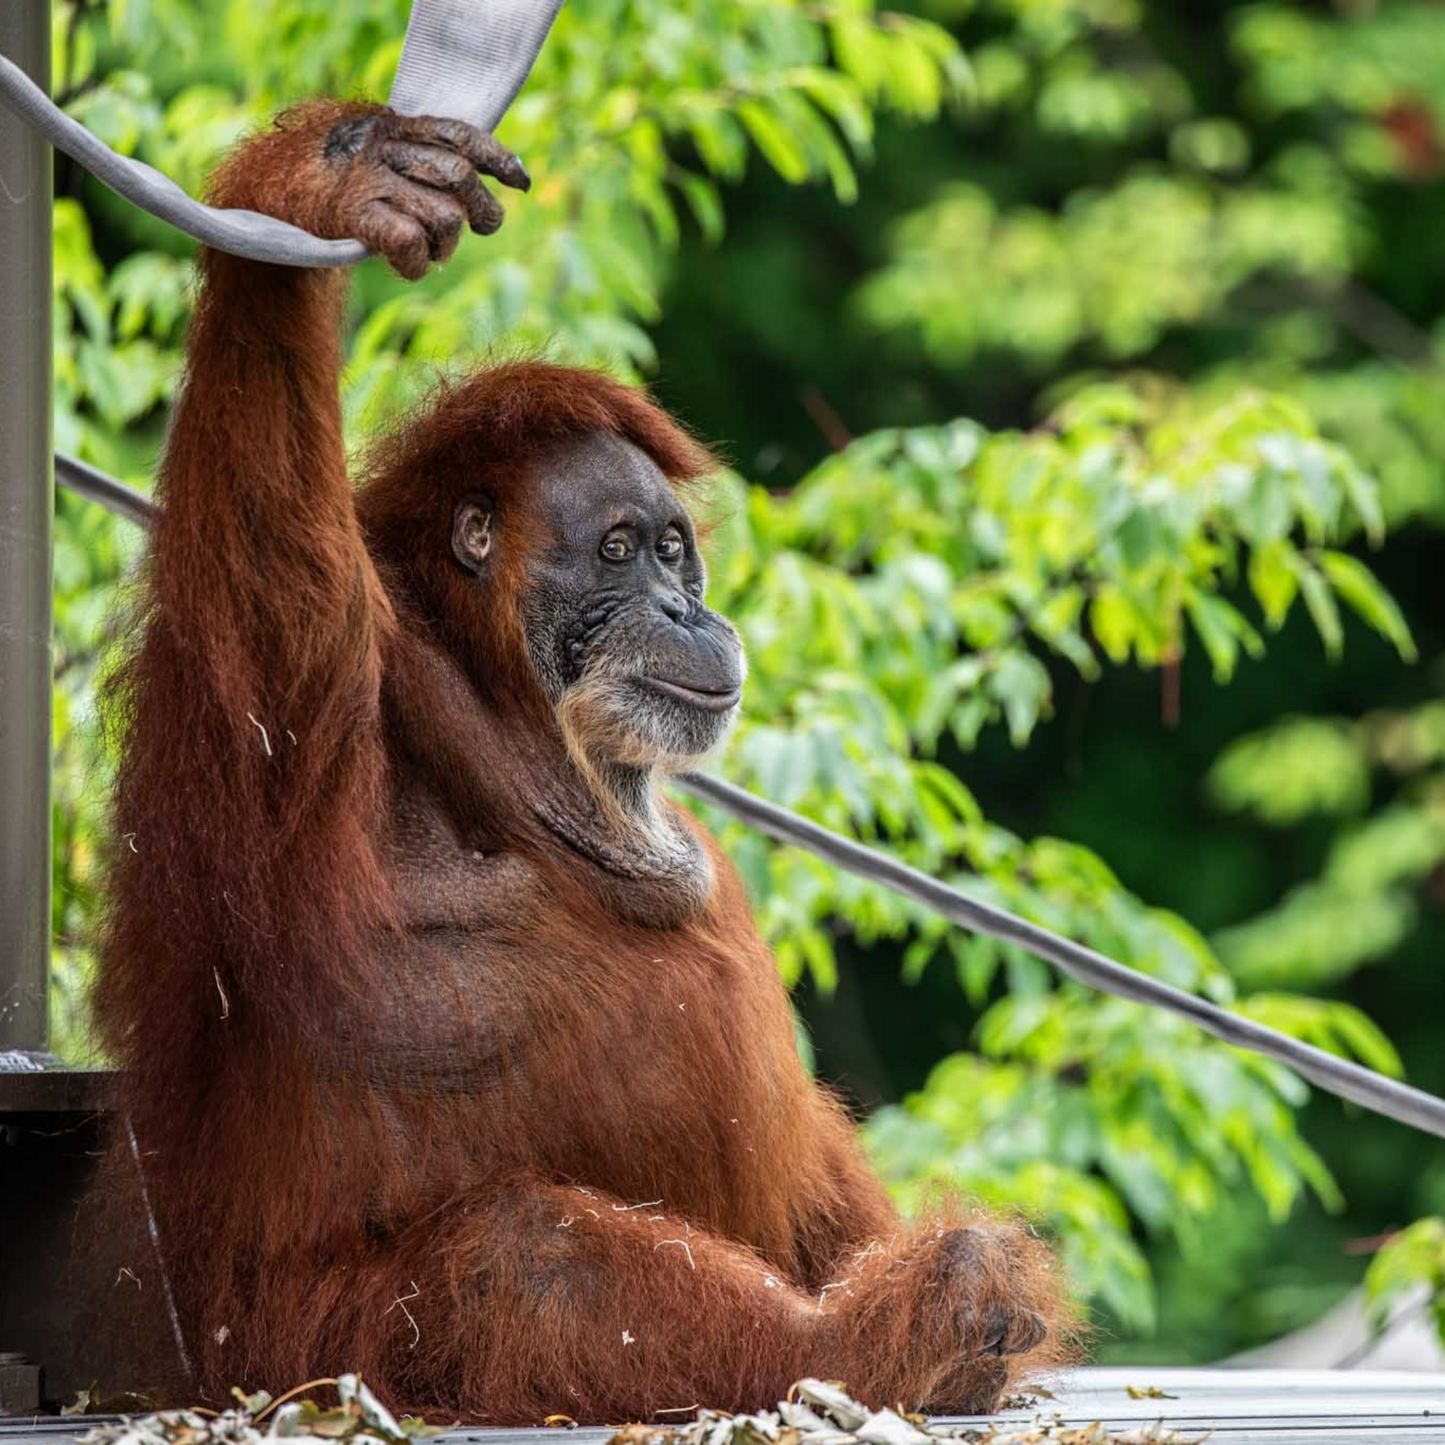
(644, 677)
(615, 607)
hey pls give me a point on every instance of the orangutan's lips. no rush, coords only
(708, 699)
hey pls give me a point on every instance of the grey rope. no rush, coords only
(243, 233)
(465, 59)
(1334, 1075)
(85, 481)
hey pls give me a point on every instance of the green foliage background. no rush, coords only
(1081, 364)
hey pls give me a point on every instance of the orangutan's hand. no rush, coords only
(402, 185)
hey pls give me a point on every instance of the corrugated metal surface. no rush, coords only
(1278, 1407)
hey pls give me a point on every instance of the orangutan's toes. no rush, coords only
(1029, 1331)
(484, 210)
(434, 166)
(983, 1387)
(441, 216)
(993, 1338)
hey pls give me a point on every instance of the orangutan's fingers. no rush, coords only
(441, 215)
(428, 165)
(979, 1265)
(992, 1334)
(388, 232)
(481, 149)
(446, 171)
(1012, 1330)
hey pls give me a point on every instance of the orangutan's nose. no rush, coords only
(675, 606)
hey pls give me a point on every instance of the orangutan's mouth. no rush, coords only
(709, 699)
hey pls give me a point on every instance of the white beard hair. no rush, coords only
(598, 733)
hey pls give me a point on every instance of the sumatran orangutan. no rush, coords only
(451, 1050)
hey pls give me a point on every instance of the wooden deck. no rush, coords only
(1274, 1407)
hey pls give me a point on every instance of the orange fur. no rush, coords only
(406, 1069)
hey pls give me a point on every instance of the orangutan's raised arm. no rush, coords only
(255, 760)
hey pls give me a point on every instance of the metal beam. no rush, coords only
(26, 519)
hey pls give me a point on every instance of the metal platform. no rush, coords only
(1274, 1407)
(49, 1121)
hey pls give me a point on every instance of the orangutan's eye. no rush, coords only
(616, 547)
(670, 545)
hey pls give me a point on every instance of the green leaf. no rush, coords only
(704, 203)
(1322, 609)
(1413, 1257)
(1216, 632)
(1364, 496)
(1112, 618)
(780, 147)
(719, 139)
(1021, 684)
(1274, 580)
(1361, 591)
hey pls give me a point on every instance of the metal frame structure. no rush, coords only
(26, 523)
(48, 1114)
(1143, 1402)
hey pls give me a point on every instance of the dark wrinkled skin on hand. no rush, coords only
(404, 186)
(416, 180)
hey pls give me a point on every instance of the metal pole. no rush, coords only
(26, 519)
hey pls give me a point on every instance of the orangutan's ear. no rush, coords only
(472, 533)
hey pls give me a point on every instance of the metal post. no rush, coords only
(26, 519)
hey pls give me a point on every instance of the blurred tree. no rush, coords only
(1094, 192)
(1190, 199)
